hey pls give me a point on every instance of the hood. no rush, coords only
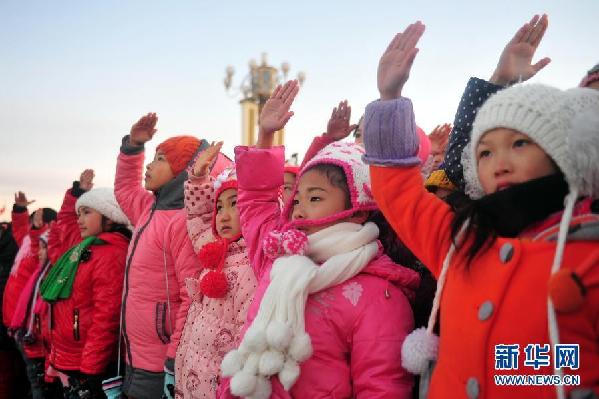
(406, 279)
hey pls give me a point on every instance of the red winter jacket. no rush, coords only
(84, 332)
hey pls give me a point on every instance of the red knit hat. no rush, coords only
(293, 169)
(179, 151)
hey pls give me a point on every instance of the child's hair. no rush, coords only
(115, 227)
(336, 177)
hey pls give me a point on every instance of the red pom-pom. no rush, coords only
(214, 284)
(211, 254)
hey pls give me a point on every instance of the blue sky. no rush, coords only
(75, 75)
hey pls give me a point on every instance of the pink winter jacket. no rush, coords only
(357, 327)
(159, 259)
(213, 325)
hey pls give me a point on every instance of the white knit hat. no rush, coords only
(102, 199)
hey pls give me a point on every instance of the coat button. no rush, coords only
(472, 388)
(506, 252)
(485, 311)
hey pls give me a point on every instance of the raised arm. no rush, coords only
(514, 66)
(131, 196)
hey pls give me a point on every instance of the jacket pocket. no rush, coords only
(160, 322)
(76, 336)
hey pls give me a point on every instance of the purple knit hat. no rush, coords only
(348, 156)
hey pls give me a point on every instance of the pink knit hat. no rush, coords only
(348, 156)
(591, 76)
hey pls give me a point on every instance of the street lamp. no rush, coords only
(255, 88)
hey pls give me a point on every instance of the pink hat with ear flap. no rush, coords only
(347, 156)
(424, 148)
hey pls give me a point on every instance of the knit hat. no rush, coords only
(102, 200)
(179, 151)
(348, 156)
(591, 76)
(293, 169)
(529, 109)
(438, 179)
(224, 181)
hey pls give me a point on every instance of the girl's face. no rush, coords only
(89, 221)
(317, 198)
(506, 157)
(227, 216)
(158, 172)
(288, 182)
(42, 252)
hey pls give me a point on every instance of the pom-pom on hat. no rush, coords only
(102, 200)
(179, 151)
(348, 156)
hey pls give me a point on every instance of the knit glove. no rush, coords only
(390, 133)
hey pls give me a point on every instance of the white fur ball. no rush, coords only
(254, 340)
(252, 363)
(418, 350)
(243, 384)
(278, 335)
(263, 389)
(289, 374)
(232, 363)
(301, 347)
(271, 362)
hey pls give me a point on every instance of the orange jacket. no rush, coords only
(500, 299)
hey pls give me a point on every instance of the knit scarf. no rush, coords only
(59, 283)
(276, 342)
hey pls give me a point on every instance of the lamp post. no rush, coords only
(255, 88)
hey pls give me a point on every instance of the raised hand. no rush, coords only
(275, 113)
(338, 127)
(86, 180)
(439, 138)
(396, 62)
(515, 64)
(206, 158)
(38, 218)
(143, 130)
(21, 199)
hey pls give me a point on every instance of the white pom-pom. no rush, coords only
(254, 340)
(290, 373)
(243, 384)
(301, 347)
(271, 362)
(278, 335)
(232, 363)
(252, 363)
(263, 389)
(418, 350)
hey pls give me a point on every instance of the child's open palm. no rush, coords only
(86, 180)
(338, 127)
(21, 200)
(275, 113)
(515, 63)
(206, 158)
(396, 62)
(439, 138)
(144, 129)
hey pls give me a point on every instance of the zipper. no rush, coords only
(126, 288)
(76, 325)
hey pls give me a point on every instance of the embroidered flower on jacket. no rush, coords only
(353, 292)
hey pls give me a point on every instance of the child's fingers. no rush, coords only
(287, 117)
(415, 36)
(541, 64)
(289, 100)
(393, 42)
(540, 32)
(292, 85)
(520, 34)
(276, 92)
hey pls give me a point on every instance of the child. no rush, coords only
(223, 290)
(84, 288)
(160, 257)
(332, 330)
(498, 261)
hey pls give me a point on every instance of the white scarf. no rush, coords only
(277, 341)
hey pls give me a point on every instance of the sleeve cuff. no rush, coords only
(129, 149)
